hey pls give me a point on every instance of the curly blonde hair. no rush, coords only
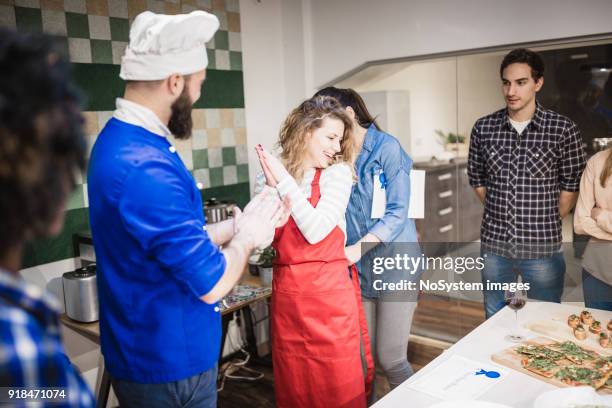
(305, 119)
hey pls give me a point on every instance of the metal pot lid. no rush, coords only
(214, 203)
(84, 272)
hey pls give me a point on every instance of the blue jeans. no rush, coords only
(597, 294)
(545, 277)
(197, 391)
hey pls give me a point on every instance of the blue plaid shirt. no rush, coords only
(31, 351)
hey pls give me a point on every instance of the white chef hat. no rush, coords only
(162, 45)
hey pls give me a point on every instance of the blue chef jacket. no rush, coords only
(154, 259)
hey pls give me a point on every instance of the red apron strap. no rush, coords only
(364, 334)
(315, 190)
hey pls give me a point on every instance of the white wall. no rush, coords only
(478, 88)
(49, 276)
(432, 89)
(347, 33)
(276, 73)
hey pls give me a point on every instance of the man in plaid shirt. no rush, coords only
(42, 147)
(525, 164)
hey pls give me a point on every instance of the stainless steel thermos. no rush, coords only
(81, 294)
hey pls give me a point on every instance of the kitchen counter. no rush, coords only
(439, 165)
(92, 330)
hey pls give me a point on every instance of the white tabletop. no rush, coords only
(517, 389)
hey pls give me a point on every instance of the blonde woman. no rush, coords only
(594, 217)
(316, 324)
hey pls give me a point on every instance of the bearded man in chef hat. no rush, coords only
(161, 269)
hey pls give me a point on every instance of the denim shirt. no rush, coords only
(381, 152)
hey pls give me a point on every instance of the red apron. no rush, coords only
(317, 321)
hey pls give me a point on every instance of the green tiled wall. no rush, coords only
(221, 89)
(95, 34)
(54, 249)
(97, 30)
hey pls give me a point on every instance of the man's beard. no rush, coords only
(180, 123)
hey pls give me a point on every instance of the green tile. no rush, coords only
(240, 193)
(216, 176)
(101, 85)
(235, 60)
(222, 89)
(76, 199)
(243, 173)
(77, 25)
(120, 29)
(212, 64)
(221, 40)
(229, 155)
(200, 159)
(28, 19)
(47, 250)
(101, 52)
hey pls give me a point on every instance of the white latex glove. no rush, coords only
(260, 217)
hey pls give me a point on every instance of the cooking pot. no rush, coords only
(218, 210)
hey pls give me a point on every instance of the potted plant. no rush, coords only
(453, 142)
(265, 263)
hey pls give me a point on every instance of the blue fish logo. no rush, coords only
(383, 180)
(489, 374)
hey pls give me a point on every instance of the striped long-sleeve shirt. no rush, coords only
(316, 223)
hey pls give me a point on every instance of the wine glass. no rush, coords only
(515, 300)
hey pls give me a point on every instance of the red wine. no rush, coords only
(515, 303)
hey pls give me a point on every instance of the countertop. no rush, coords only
(439, 165)
(92, 330)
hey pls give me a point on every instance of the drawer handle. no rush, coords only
(444, 194)
(445, 176)
(465, 171)
(446, 228)
(445, 211)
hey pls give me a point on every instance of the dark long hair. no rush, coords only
(349, 97)
(42, 143)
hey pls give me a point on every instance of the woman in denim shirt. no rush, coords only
(389, 313)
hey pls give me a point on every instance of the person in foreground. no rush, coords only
(42, 148)
(315, 306)
(161, 271)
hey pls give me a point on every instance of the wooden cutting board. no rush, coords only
(556, 327)
(511, 359)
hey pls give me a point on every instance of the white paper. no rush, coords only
(456, 378)
(379, 198)
(416, 206)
